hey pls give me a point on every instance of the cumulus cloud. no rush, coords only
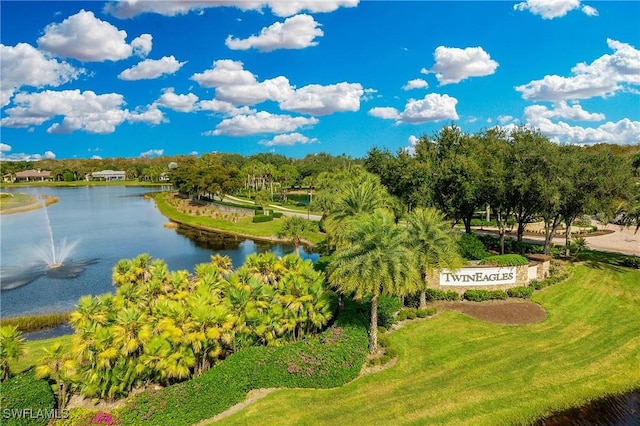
(225, 108)
(433, 107)
(238, 86)
(152, 68)
(604, 76)
(297, 32)
(182, 103)
(152, 153)
(562, 110)
(84, 37)
(288, 139)
(315, 99)
(411, 148)
(131, 8)
(417, 83)
(454, 65)
(621, 132)
(261, 122)
(550, 9)
(5, 155)
(141, 46)
(152, 115)
(24, 65)
(503, 119)
(86, 111)
(387, 113)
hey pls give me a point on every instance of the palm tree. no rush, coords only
(434, 243)
(11, 347)
(293, 228)
(58, 365)
(375, 261)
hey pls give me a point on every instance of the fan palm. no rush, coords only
(375, 261)
(11, 347)
(293, 228)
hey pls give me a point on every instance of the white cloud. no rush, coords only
(222, 107)
(182, 103)
(151, 116)
(411, 148)
(4, 147)
(96, 157)
(604, 76)
(589, 11)
(84, 37)
(151, 68)
(417, 83)
(141, 46)
(297, 32)
(548, 9)
(454, 65)
(130, 8)
(288, 139)
(24, 65)
(84, 111)
(261, 122)
(562, 110)
(238, 86)
(315, 99)
(387, 113)
(433, 107)
(5, 156)
(152, 153)
(503, 119)
(621, 132)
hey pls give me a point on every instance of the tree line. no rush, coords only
(520, 176)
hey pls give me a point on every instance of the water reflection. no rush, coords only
(616, 410)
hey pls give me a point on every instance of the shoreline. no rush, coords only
(48, 200)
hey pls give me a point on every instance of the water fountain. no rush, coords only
(52, 261)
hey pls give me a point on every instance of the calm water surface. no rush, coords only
(107, 224)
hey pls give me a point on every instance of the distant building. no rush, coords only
(32, 176)
(108, 175)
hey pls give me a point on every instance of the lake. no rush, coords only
(101, 225)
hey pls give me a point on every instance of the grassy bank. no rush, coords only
(453, 369)
(35, 352)
(16, 203)
(27, 323)
(243, 227)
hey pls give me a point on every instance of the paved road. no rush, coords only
(285, 211)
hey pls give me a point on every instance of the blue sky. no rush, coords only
(146, 78)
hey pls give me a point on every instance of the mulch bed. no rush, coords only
(500, 311)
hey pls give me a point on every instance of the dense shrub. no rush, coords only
(277, 215)
(387, 308)
(327, 360)
(471, 247)
(631, 262)
(32, 400)
(505, 260)
(482, 295)
(423, 313)
(262, 218)
(436, 294)
(523, 292)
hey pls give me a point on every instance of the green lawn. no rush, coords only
(453, 369)
(243, 227)
(10, 201)
(35, 352)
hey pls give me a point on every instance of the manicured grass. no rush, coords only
(10, 201)
(453, 369)
(35, 352)
(243, 227)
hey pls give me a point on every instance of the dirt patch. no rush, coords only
(501, 312)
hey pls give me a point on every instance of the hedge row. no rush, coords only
(327, 360)
(482, 295)
(505, 260)
(262, 218)
(25, 400)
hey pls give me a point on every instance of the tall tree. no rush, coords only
(11, 347)
(293, 228)
(375, 261)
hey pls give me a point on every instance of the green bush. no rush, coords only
(29, 398)
(387, 308)
(631, 262)
(522, 292)
(423, 313)
(434, 294)
(471, 247)
(402, 315)
(277, 215)
(482, 295)
(505, 260)
(262, 218)
(327, 360)
(410, 313)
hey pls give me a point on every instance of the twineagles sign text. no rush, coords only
(478, 276)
